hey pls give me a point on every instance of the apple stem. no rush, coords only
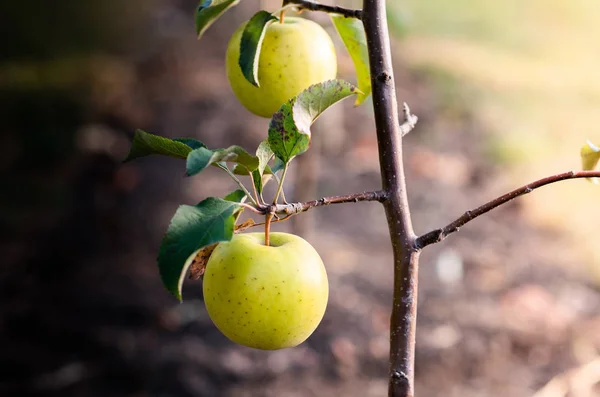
(268, 218)
(281, 15)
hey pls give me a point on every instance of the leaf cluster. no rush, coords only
(195, 230)
(194, 227)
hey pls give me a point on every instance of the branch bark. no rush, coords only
(312, 6)
(296, 208)
(437, 235)
(406, 255)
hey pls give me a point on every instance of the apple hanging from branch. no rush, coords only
(266, 297)
(270, 61)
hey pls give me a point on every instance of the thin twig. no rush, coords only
(410, 120)
(280, 185)
(296, 208)
(435, 236)
(252, 208)
(256, 195)
(312, 6)
(240, 184)
(282, 191)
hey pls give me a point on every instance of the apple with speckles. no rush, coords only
(294, 55)
(266, 297)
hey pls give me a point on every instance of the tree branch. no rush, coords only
(290, 209)
(296, 208)
(312, 6)
(410, 120)
(435, 236)
(406, 256)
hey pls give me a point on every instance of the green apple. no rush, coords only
(294, 55)
(266, 297)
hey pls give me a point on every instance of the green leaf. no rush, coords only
(250, 44)
(193, 143)
(590, 156)
(313, 101)
(264, 154)
(284, 138)
(145, 144)
(208, 11)
(236, 196)
(191, 229)
(257, 178)
(352, 33)
(289, 129)
(278, 166)
(240, 170)
(201, 158)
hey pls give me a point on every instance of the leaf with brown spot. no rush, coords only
(191, 229)
(289, 129)
(198, 265)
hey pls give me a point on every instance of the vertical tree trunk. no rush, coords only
(406, 255)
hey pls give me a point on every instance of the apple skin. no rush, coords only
(294, 55)
(266, 297)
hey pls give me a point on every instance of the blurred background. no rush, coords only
(506, 92)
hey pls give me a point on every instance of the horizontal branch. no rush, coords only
(312, 6)
(435, 236)
(296, 208)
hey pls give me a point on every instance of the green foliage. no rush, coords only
(236, 196)
(191, 229)
(251, 42)
(313, 101)
(284, 138)
(208, 11)
(145, 144)
(264, 154)
(193, 143)
(199, 159)
(213, 220)
(289, 129)
(352, 33)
